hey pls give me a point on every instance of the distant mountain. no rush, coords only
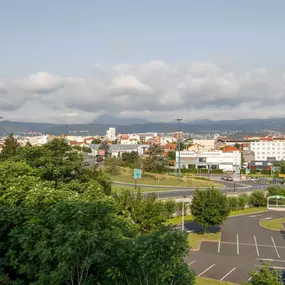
(115, 120)
(245, 126)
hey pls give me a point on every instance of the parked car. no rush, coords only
(229, 178)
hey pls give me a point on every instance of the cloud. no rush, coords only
(155, 90)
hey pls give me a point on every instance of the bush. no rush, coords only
(233, 203)
(243, 201)
(266, 172)
(275, 190)
(257, 199)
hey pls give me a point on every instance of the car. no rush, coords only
(229, 178)
(99, 159)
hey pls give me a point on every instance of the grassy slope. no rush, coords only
(274, 224)
(195, 239)
(207, 281)
(126, 175)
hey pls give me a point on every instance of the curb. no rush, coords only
(198, 249)
(246, 214)
(275, 230)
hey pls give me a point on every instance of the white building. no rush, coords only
(111, 134)
(166, 140)
(265, 149)
(228, 161)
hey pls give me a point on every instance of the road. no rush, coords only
(229, 187)
(244, 246)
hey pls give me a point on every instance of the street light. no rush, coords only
(179, 166)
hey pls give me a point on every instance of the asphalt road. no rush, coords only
(229, 187)
(244, 247)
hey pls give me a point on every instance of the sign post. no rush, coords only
(137, 175)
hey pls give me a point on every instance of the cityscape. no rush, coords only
(142, 142)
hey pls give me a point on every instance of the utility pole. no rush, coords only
(179, 166)
(182, 225)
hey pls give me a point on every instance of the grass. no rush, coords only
(119, 188)
(188, 218)
(194, 239)
(126, 175)
(274, 224)
(208, 281)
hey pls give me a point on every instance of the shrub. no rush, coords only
(243, 200)
(257, 199)
(233, 203)
(275, 190)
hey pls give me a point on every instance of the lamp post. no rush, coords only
(179, 166)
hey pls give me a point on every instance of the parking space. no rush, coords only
(244, 246)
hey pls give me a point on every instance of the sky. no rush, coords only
(71, 61)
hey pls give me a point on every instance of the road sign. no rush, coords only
(137, 173)
(247, 170)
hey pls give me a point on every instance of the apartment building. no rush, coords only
(208, 145)
(111, 134)
(268, 149)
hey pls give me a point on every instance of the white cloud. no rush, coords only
(154, 90)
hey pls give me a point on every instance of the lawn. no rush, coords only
(194, 239)
(274, 224)
(119, 188)
(126, 175)
(207, 281)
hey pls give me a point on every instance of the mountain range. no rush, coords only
(136, 125)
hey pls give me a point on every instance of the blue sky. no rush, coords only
(72, 38)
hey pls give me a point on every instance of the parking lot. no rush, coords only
(244, 246)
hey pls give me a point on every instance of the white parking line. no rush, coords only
(275, 247)
(191, 262)
(228, 274)
(219, 246)
(257, 252)
(237, 246)
(206, 270)
(269, 218)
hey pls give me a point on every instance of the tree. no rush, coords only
(257, 199)
(182, 146)
(147, 213)
(266, 276)
(10, 148)
(112, 164)
(209, 207)
(170, 208)
(171, 155)
(106, 147)
(155, 161)
(96, 141)
(130, 157)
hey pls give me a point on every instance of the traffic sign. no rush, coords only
(247, 170)
(137, 173)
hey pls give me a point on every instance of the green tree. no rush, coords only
(170, 208)
(112, 164)
(130, 157)
(147, 213)
(257, 199)
(155, 161)
(106, 147)
(266, 276)
(171, 155)
(209, 207)
(182, 146)
(10, 148)
(96, 141)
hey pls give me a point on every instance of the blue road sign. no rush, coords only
(137, 173)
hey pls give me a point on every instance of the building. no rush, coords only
(111, 134)
(208, 145)
(116, 150)
(268, 149)
(228, 161)
(128, 139)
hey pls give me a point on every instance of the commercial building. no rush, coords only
(268, 149)
(228, 161)
(208, 145)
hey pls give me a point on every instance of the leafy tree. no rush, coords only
(182, 146)
(96, 141)
(147, 213)
(130, 157)
(86, 149)
(209, 207)
(106, 147)
(28, 144)
(233, 203)
(170, 208)
(10, 148)
(275, 190)
(171, 155)
(155, 161)
(243, 200)
(112, 164)
(266, 276)
(257, 199)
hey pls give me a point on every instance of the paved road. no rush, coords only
(244, 247)
(229, 187)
